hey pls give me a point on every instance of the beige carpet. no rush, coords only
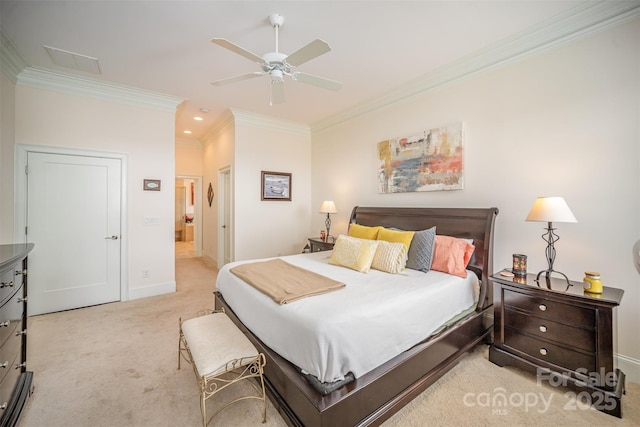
(115, 365)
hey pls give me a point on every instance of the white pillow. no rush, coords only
(390, 257)
(351, 252)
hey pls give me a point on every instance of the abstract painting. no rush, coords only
(431, 161)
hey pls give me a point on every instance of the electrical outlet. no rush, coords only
(145, 273)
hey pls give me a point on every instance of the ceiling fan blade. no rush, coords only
(237, 49)
(317, 81)
(237, 78)
(277, 92)
(308, 52)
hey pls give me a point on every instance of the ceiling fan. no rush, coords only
(277, 64)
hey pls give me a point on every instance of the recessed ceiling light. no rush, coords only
(204, 110)
(187, 131)
(198, 118)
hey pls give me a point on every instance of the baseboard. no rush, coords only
(208, 259)
(630, 367)
(152, 290)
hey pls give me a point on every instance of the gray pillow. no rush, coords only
(420, 253)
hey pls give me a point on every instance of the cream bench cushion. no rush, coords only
(214, 341)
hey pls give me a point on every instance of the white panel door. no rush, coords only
(73, 217)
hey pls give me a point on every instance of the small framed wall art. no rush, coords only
(276, 186)
(151, 185)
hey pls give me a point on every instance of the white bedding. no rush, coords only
(355, 329)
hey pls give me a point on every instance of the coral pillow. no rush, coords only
(351, 252)
(451, 255)
(363, 232)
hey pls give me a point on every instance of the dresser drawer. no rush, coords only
(8, 329)
(552, 353)
(8, 383)
(10, 354)
(549, 309)
(550, 330)
(9, 284)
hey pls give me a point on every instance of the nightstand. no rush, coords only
(318, 245)
(560, 333)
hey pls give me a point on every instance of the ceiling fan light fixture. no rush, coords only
(277, 64)
(277, 76)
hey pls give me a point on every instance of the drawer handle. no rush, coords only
(3, 406)
(5, 324)
(22, 332)
(543, 328)
(21, 273)
(21, 365)
(4, 365)
(6, 284)
(21, 300)
(542, 307)
(543, 351)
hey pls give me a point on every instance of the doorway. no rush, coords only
(188, 217)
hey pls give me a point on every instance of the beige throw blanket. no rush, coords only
(284, 282)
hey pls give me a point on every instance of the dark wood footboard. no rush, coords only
(375, 396)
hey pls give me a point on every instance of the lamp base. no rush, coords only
(548, 273)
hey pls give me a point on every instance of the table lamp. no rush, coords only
(329, 208)
(550, 210)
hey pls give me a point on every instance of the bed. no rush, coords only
(379, 390)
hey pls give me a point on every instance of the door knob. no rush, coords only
(114, 237)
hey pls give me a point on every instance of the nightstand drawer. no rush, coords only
(549, 309)
(552, 353)
(550, 330)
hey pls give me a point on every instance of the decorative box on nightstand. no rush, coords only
(318, 245)
(561, 333)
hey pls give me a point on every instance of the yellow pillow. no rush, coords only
(351, 252)
(363, 232)
(390, 257)
(395, 236)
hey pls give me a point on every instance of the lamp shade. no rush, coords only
(328, 207)
(551, 209)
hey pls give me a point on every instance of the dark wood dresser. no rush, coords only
(15, 380)
(561, 333)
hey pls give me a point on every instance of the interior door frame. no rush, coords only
(197, 207)
(20, 198)
(221, 212)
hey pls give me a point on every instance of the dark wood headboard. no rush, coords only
(467, 223)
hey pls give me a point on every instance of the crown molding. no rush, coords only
(224, 121)
(575, 23)
(43, 78)
(11, 60)
(261, 121)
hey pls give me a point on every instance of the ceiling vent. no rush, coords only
(74, 61)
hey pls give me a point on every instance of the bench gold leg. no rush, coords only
(235, 371)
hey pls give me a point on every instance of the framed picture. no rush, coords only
(276, 186)
(151, 185)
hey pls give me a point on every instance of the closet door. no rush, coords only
(73, 217)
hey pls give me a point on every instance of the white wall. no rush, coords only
(49, 118)
(189, 157)
(7, 106)
(270, 228)
(562, 123)
(218, 154)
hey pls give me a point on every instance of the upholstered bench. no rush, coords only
(220, 356)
